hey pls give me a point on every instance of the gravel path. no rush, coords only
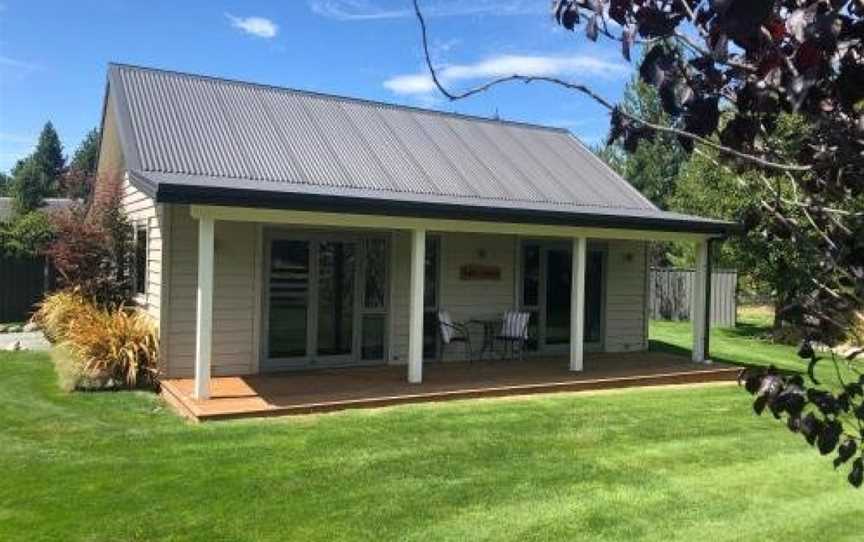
(32, 340)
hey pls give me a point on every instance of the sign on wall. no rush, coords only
(477, 271)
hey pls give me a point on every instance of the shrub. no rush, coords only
(26, 236)
(58, 309)
(92, 249)
(118, 346)
(99, 347)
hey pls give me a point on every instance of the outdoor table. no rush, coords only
(490, 330)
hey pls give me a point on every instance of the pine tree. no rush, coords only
(49, 156)
(78, 180)
(84, 159)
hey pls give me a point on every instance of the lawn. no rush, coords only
(745, 344)
(646, 464)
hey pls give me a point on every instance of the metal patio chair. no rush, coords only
(514, 332)
(453, 332)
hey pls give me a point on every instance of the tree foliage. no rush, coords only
(76, 182)
(92, 248)
(29, 187)
(652, 166)
(26, 236)
(48, 156)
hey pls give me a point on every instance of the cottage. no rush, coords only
(280, 229)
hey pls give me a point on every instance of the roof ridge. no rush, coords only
(339, 97)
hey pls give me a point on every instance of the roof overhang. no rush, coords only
(426, 208)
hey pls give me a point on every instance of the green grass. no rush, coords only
(748, 343)
(647, 464)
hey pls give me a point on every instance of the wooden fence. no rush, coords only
(23, 282)
(670, 290)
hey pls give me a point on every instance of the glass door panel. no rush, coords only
(558, 277)
(546, 291)
(288, 298)
(594, 297)
(430, 299)
(336, 272)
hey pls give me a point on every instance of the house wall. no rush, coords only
(626, 297)
(238, 286)
(625, 327)
(464, 299)
(235, 313)
(140, 209)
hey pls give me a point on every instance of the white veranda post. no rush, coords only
(415, 319)
(698, 315)
(577, 304)
(204, 311)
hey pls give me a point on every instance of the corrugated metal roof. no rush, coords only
(197, 131)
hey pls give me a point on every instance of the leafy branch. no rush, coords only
(587, 91)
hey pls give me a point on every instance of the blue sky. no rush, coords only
(53, 56)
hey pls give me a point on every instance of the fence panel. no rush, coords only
(23, 282)
(670, 293)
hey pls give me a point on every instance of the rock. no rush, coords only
(30, 327)
(14, 328)
(14, 346)
(2, 328)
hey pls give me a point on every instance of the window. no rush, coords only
(140, 276)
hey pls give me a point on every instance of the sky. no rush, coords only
(54, 55)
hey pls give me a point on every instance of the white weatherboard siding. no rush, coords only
(141, 210)
(464, 299)
(626, 295)
(237, 287)
(234, 300)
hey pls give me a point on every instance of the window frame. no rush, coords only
(138, 228)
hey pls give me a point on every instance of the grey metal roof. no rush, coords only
(202, 134)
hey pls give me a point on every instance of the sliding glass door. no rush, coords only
(326, 301)
(546, 271)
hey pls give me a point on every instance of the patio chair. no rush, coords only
(453, 332)
(514, 332)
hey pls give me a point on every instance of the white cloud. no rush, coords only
(20, 68)
(366, 10)
(505, 65)
(257, 26)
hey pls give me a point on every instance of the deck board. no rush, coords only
(363, 387)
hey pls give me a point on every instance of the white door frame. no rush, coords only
(545, 245)
(311, 359)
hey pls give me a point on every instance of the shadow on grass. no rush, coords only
(655, 345)
(747, 331)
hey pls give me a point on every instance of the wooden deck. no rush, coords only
(336, 389)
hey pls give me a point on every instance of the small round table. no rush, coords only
(490, 330)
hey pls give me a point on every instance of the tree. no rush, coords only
(652, 167)
(92, 248)
(77, 181)
(26, 236)
(49, 156)
(5, 182)
(706, 187)
(751, 62)
(29, 186)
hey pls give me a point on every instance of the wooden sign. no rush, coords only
(476, 271)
